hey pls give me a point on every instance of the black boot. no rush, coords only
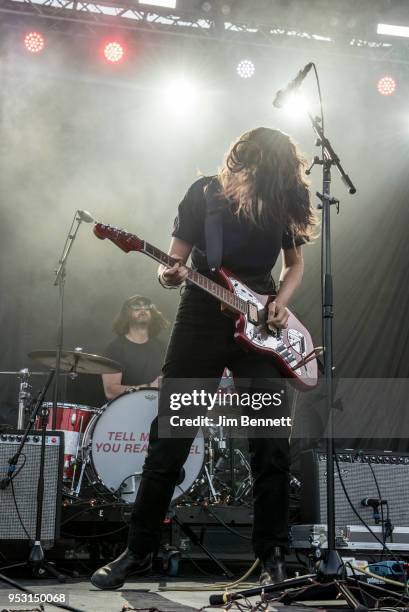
(113, 575)
(273, 568)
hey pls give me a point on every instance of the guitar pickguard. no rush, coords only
(261, 337)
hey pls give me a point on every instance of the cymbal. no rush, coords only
(25, 373)
(31, 373)
(76, 361)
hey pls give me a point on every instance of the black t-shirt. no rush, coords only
(141, 363)
(249, 251)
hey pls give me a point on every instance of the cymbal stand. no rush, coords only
(209, 469)
(212, 490)
(247, 484)
(24, 396)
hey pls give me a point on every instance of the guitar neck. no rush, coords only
(225, 296)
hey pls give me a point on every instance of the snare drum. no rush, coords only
(115, 445)
(72, 419)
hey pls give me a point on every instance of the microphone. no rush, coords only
(282, 94)
(85, 216)
(4, 482)
(373, 503)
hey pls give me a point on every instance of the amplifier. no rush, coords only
(392, 474)
(25, 486)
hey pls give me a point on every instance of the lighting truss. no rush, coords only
(127, 15)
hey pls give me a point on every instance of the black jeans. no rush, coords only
(201, 346)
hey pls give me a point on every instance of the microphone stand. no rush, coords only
(331, 566)
(37, 560)
(330, 574)
(60, 278)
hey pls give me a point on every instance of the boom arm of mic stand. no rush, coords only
(60, 271)
(331, 155)
(60, 275)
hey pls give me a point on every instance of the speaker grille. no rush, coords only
(392, 475)
(25, 488)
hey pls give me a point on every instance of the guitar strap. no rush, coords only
(213, 225)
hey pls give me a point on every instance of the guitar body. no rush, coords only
(287, 347)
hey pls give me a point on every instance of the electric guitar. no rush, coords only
(292, 348)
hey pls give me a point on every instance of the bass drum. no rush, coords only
(115, 445)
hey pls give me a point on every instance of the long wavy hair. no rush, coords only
(122, 321)
(263, 174)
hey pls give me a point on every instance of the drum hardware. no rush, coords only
(225, 478)
(122, 487)
(216, 442)
(76, 459)
(213, 491)
(24, 397)
(246, 484)
(222, 441)
(80, 479)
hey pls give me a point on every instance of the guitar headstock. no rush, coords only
(124, 240)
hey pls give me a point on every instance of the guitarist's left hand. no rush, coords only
(277, 316)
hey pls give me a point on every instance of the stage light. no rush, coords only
(393, 30)
(34, 42)
(245, 69)
(296, 106)
(114, 51)
(180, 95)
(386, 86)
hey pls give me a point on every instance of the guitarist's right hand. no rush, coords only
(175, 275)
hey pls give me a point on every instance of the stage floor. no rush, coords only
(144, 595)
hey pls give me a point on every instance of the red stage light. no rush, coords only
(386, 86)
(114, 52)
(34, 42)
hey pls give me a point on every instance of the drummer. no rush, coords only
(136, 347)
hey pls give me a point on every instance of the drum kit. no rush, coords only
(105, 448)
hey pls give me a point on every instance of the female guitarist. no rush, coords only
(262, 202)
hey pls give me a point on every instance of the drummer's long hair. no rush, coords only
(264, 175)
(122, 321)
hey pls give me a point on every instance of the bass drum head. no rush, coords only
(116, 442)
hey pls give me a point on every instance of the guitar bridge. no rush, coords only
(252, 313)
